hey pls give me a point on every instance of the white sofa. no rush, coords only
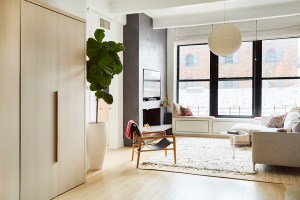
(276, 148)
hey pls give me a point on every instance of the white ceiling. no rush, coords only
(182, 13)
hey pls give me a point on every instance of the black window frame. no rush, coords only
(248, 78)
(188, 80)
(275, 77)
(257, 79)
(213, 86)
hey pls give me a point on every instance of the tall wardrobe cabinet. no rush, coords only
(47, 126)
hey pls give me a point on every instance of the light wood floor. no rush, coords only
(120, 180)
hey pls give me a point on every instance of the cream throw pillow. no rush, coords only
(176, 110)
(291, 119)
(296, 128)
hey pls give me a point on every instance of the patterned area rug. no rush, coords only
(214, 157)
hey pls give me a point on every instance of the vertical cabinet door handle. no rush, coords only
(56, 136)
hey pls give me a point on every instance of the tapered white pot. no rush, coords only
(96, 144)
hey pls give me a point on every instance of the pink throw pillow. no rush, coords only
(186, 111)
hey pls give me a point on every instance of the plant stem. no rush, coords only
(96, 110)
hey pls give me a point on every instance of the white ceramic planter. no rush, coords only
(96, 144)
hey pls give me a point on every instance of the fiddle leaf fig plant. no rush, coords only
(102, 64)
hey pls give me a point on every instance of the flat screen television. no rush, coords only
(152, 84)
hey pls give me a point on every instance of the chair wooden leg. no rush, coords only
(139, 153)
(133, 146)
(166, 153)
(132, 156)
(254, 167)
(174, 148)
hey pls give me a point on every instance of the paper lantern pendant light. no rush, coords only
(225, 39)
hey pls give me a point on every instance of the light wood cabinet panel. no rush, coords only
(42, 79)
(9, 98)
(71, 103)
(38, 104)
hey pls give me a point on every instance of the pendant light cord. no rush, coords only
(224, 13)
(256, 30)
(255, 40)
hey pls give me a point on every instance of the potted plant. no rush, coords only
(164, 103)
(102, 64)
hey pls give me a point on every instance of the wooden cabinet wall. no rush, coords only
(42, 82)
(9, 98)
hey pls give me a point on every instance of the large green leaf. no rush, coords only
(92, 43)
(108, 98)
(105, 60)
(108, 71)
(120, 47)
(104, 80)
(99, 35)
(91, 53)
(118, 69)
(93, 73)
(93, 87)
(100, 94)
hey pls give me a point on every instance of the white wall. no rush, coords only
(75, 7)
(100, 9)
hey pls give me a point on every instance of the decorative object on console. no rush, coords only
(164, 102)
(146, 126)
(276, 121)
(186, 111)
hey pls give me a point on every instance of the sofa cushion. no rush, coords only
(291, 119)
(276, 121)
(249, 128)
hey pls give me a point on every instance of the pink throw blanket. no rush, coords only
(128, 132)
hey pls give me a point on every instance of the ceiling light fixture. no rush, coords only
(225, 39)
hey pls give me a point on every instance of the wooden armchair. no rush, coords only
(153, 141)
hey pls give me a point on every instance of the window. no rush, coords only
(236, 101)
(271, 55)
(193, 82)
(237, 65)
(280, 82)
(235, 84)
(239, 85)
(229, 59)
(195, 94)
(190, 66)
(189, 61)
(279, 96)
